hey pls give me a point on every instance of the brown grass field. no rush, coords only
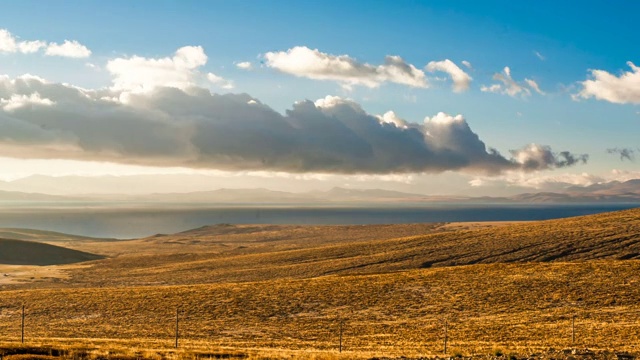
(249, 291)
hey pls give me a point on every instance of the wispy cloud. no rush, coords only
(314, 64)
(623, 153)
(509, 86)
(543, 181)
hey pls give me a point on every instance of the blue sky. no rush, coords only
(554, 44)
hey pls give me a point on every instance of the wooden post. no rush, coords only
(177, 328)
(445, 336)
(22, 325)
(573, 330)
(340, 348)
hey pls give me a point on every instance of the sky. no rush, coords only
(432, 97)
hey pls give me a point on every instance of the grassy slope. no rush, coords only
(259, 238)
(509, 306)
(18, 252)
(518, 290)
(605, 236)
(42, 235)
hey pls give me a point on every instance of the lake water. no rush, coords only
(127, 222)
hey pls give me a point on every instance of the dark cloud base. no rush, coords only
(194, 128)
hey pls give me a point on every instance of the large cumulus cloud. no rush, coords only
(192, 127)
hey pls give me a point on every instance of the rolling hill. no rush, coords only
(19, 252)
(611, 236)
(44, 236)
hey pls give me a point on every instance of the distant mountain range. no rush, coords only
(613, 192)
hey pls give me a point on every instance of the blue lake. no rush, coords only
(131, 222)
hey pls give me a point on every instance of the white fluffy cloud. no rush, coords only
(72, 49)
(314, 64)
(19, 101)
(138, 74)
(390, 117)
(7, 42)
(219, 81)
(460, 78)
(29, 47)
(244, 65)
(623, 89)
(69, 48)
(511, 87)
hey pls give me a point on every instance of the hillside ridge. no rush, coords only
(608, 236)
(20, 252)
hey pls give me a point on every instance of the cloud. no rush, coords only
(511, 87)
(552, 182)
(70, 48)
(539, 56)
(166, 126)
(460, 78)
(623, 89)
(138, 74)
(467, 64)
(624, 153)
(538, 181)
(220, 81)
(534, 85)
(390, 117)
(314, 64)
(9, 44)
(245, 65)
(29, 47)
(537, 157)
(19, 101)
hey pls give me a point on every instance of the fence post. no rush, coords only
(340, 348)
(445, 336)
(22, 326)
(177, 324)
(573, 329)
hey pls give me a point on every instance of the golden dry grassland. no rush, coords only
(511, 306)
(513, 290)
(361, 250)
